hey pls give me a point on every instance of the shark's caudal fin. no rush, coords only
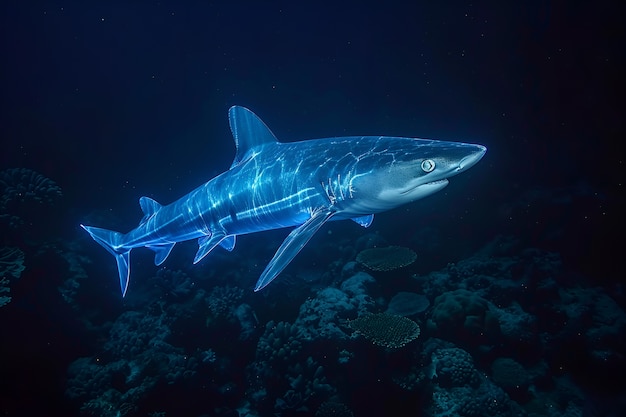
(110, 241)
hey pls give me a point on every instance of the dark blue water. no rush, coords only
(519, 259)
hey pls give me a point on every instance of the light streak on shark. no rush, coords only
(271, 185)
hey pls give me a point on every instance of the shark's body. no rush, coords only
(272, 185)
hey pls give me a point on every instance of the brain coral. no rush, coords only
(386, 259)
(386, 329)
(508, 373)
(454, 367)
(463, 309)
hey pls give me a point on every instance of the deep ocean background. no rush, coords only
(113, 101)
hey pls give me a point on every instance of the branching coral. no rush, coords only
(306, 381)
(137, 357)
(175, 284)
(4, 287)
(21, 186)
(223, 300)
(11, 262)
(386, 330)
(280, 341)
(11, 267)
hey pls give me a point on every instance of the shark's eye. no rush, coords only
(428, 165)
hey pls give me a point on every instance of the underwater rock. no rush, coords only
(407, 304)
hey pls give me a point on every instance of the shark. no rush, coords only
(305, 184)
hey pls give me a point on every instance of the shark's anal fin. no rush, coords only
(365, 221)
(228, 243)
(208, 243)
(291, 246)
(161, 252)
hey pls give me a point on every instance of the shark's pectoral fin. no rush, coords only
(161, 252)
(364, 221)
(208, 243)
(291, 246)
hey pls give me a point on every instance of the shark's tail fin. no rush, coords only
(111, 240)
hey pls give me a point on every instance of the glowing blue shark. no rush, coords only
(305, 184)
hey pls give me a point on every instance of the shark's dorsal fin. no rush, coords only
(248, 131)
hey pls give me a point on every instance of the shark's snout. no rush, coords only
(471, 160)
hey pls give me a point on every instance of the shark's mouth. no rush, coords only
(427, 186)
(438, 182)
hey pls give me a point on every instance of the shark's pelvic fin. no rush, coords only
(110, 241)
(208, 243)
(248, 131)
(292, 245)
(365, 221)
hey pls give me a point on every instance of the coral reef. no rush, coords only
(173, 283)
(386, 330)
(454, 367)
(476, 357)
(20, 190)
(463, 310)
(386, 259)
(223, 300)
(508, 373)
(11, 267)
(135, 359)
(333, 409)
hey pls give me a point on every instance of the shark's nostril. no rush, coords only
(471, 160)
